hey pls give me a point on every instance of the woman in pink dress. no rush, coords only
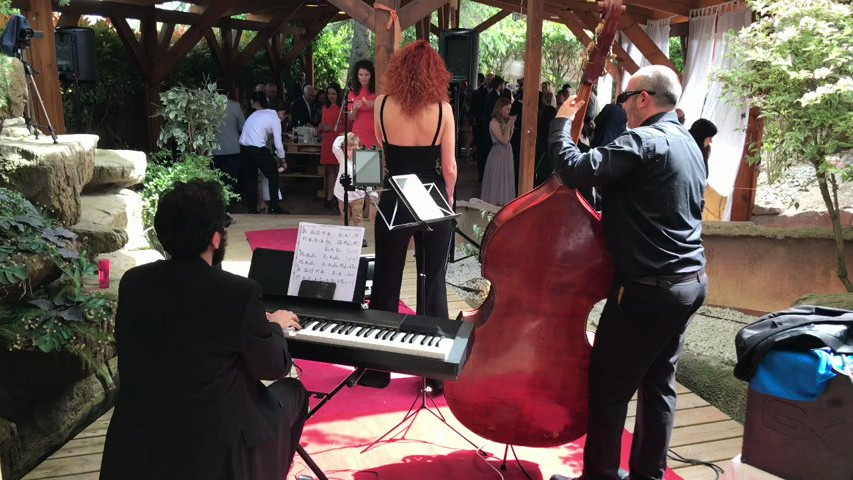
(361, 99)
(331, 127)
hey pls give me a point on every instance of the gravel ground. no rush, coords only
(797, 191)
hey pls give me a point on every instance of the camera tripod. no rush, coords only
(29, 117)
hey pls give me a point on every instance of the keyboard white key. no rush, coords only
(374, 338)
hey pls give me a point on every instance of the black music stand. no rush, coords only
(422, 205)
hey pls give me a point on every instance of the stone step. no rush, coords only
(47, 174)
(111, 221)
(117, 169)
(123, 260)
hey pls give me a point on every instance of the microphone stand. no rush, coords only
(346, 179)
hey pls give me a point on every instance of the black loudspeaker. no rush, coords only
(460, 49)
(75, 54)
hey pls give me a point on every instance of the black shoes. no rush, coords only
(375, 379)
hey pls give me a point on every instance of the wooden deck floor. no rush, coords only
(701, 431)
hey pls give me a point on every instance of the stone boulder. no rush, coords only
(97, 239)
(14, 129)
(47, 174)
(16, 94)
(109, 211)
(117, 169)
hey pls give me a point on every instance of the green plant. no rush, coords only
(795, 64)
(191, 118)
(164, 171)
(479, 231)
(63, 315)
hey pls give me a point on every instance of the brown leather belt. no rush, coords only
(667, 281)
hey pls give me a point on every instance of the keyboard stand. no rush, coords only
(349, 381)
(412, 415)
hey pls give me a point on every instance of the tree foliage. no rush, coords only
(796, 65)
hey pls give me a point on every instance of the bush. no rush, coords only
(62, 316)
(163, 172)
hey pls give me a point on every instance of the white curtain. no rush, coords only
(658, 32)
(700, 53)
(635, 54)
(730, 119)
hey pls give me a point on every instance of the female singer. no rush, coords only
(414, 122)
(361, 99)
(499, 176)
(330, 128)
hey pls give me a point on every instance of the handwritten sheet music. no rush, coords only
(327, 253)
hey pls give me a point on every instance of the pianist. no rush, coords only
(193, 343)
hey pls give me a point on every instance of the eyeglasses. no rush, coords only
(624, 96)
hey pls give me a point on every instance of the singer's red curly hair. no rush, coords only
(416, 77)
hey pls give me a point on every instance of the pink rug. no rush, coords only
(429, 450)
(279, 239)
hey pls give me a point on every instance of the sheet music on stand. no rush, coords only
(421, 204)
(325, 262)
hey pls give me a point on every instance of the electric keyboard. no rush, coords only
(411, 344)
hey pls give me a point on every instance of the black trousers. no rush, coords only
(391, 247)
(293, 404)
(254, 159)
(230, 165)
(637, 346)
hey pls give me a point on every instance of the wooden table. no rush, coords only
(303, 161)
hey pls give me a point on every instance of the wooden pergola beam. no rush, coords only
(128, 38)
(109, 9)
(418, 9)
(215, 48)
(589, 22)
(641, 40)
(311, 31)
(491, 21)
(357, 10)
(574, 26)
(165, 37)
(212, 14)
(272, 28)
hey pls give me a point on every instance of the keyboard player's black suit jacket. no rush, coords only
(192, 344)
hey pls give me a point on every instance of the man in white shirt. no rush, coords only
(260, 125)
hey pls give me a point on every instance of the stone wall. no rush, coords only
(767, 269)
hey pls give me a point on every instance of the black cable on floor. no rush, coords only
(512, 449)
(672, 455)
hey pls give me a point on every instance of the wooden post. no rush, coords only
(530, 110)
(151, 47)
(385, 46)
(309, 65)
(743, 195)
(42, 57)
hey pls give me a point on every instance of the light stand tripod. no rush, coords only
(426, 205)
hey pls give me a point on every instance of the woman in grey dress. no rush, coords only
(499, 176)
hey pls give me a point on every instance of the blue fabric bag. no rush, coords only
(801, 376)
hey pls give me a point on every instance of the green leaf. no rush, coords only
(46, 343)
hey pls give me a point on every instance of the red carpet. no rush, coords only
(280, 239)
(335, 436)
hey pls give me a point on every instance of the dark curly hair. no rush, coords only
(416, 77)
(336, 88)
(187, 217)
(356, 85)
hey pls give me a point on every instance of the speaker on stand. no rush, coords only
(76, 62)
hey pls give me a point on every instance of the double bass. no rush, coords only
(525, 381)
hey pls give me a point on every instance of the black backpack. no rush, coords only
(800, 329)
